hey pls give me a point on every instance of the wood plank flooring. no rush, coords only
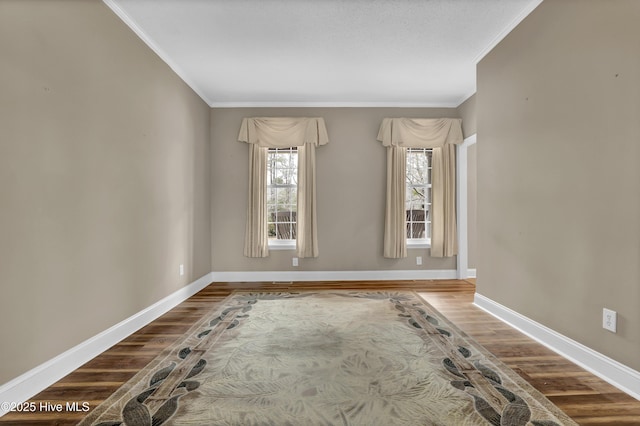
(586, 398)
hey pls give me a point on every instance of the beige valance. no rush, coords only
(283, 132)
(420, 132)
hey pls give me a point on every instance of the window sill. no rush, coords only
(418, 243)
(282, 245)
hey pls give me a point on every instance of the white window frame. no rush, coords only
(274, 243)
(420, 242)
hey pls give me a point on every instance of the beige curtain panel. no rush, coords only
(395, 242)
(440, 134)
(307, 238)
(444, 241)
(256, 238)
(262, 133)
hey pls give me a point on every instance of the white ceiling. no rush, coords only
(324, 52)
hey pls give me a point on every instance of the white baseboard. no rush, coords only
(34, 381)
(253, 276)
(41, 377)
(610, 370)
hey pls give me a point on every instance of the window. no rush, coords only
(282, 195)
(418, 195)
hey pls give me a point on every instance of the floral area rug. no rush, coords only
(326, 358)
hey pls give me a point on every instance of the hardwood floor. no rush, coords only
(586, 398)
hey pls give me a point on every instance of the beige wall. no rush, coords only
(469, 115)
(350, 192)
(104, 178)
(558, 108)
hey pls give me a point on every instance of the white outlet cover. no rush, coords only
(181, 269)
(295, 261)
(609, 319)
(418, 260)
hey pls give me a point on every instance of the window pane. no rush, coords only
(282, 192)
(418, 192)
(271, 196)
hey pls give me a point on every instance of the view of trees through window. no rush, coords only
(418, 193)
(282, 193)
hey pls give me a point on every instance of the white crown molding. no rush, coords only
(131, 23)
(609, 370)
(502, 34)
(465, 97)
(336, 104)
(41, 377)
(286, 276)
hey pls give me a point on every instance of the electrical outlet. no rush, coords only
(609, 319)
(295, 261)
(181, 269)
(418, 260)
